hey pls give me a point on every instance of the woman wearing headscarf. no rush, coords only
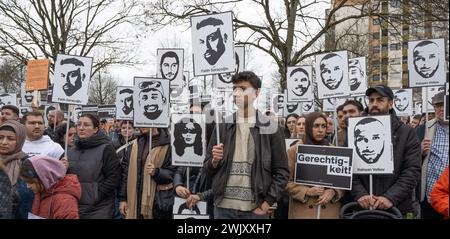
(304, 200)
(12, 138)
(95, 162)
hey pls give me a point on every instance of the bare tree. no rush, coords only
(9, 75)
(34, 28)
(287, 31)
(102, 89)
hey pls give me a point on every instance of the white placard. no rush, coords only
(328, 104)
(213, 44)
(332, 75)
(426, 62)
(188, 141)
(8, 99)
(124, 103)
(299, 83)
(71, 79)
(180, 207)
(307, 106)
(23, 110)
(278, 104)
(292, 108)
(171, 65)
(370, 139)
(151, 102)
(357, 77)
(432, 91)
(418, 107)
(27, 97)
(403, 102)
(180, 95)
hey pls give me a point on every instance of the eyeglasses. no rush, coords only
(85, 126)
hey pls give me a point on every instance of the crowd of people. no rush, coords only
(247, 172)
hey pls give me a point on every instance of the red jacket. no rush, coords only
(60, 201)
(439, 194)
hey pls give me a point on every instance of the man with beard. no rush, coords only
(292, 107)
(213, 39)
(28, 97)
(151, 99)
(9, 112)
(332, 71)
(73, 77)
(355, 74)
(307, 106)
(401, 100)
(169, 65)
(369, 141)
(394, 189)
(127, 100)
(426, 58)
(300, 79)
(226, 77)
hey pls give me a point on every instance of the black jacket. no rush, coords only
(397, 187)
(269, 170)
(95, 162)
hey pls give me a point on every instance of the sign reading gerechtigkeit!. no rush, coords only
(370, 137)
(324, 166)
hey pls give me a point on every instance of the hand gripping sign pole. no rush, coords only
(67, 132)
(371, 188)
(150, 157)
(426, 110)
(318, 211)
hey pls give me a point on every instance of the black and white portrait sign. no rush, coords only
(180, 207)
(307, 106)
(290, 142)
(299, 83)
(106, 111)
(223, 81)
(213, 44)
(357, 78)
(76, 111)
(418, 107)
(426, 62)
(403, 102)
(71, 79)
(427, 96)
(124, 103)
(324, 166)
(180, 94)
(47, 109)
(332, 75)
(370, 138)
(329, 106)
(151, 102)
(50, 94)
(188, 141)
(8, 99)
(170, 66)
(27, 97)
(24, 110)
(278, 104)
(292, 108)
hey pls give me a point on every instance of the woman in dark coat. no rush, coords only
(95, 162)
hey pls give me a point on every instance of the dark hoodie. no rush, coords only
(95, 162)
(397, 187)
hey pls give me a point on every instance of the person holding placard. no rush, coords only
(396, 189)
(435, 144)
(252, 147)
(304, 200)
(146, 190)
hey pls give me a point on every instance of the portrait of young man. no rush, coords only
(213, 44)
(332, 73)
(357, 76)
(151, 102)
(170, 66)
(369, 140)
(403, 101)
(426, 62)
(299, 85)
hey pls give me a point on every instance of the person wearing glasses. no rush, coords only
(94, 160)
